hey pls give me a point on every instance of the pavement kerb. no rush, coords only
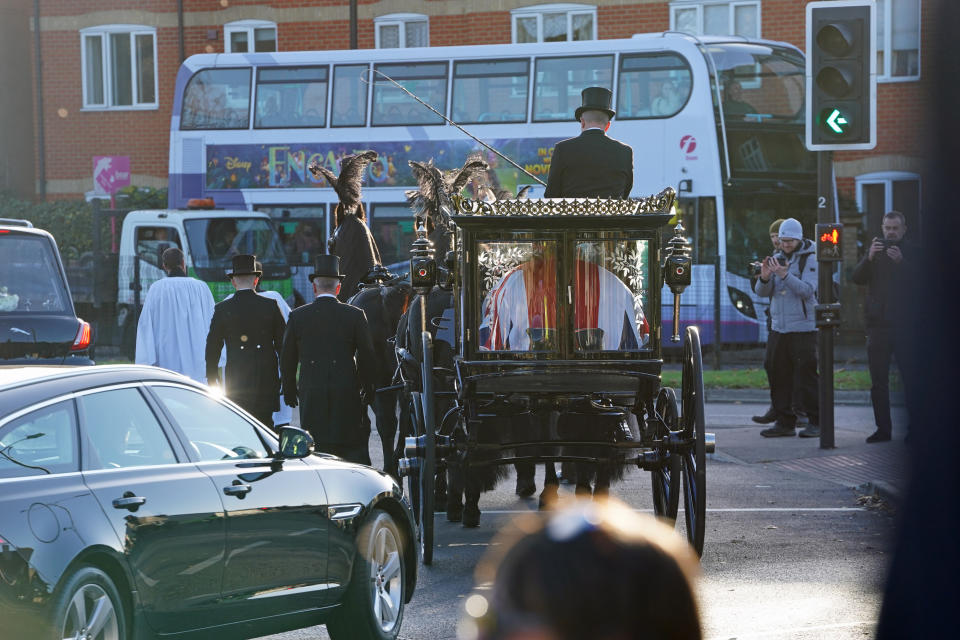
(881, 489)
(762, 396)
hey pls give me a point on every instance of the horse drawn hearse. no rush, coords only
(551, 351)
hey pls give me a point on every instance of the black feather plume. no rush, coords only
(348, 186)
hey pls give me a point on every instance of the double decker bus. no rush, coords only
(721, 119)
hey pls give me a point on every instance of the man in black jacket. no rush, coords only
(252, 327)
(330, 342)
(887, 270)
(592, 165)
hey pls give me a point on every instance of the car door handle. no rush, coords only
(129, 502)
(239, 490)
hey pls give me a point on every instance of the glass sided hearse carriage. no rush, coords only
(557, 355)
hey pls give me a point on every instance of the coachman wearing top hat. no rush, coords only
(592, 165)
(330, 342)
(252, 328)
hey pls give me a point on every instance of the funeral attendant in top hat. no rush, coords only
(592, 165)
(252, 327)
(330, 342)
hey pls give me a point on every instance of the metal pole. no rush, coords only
(716, 313)
(825, 209)
(353, 25)
(38, 73)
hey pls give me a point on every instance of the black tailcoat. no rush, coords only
(331, 343)
(252, 327)
(592, 165)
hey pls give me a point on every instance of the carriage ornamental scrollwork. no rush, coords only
(588, 207)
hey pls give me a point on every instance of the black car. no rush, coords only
(134, 503)
(38, 324)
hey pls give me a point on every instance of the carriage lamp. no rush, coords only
(423, 267)
(677, 273)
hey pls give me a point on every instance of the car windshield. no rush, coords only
(759, 82)
(30, 280)
(214, 241)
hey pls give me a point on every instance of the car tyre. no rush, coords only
(88, 605)
(372, 608)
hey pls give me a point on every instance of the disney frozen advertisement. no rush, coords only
(278, 166)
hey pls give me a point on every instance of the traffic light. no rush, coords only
(841, 75)
(829, 242)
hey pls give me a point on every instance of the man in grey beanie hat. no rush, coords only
(789, 277)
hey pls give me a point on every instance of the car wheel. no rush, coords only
(373, 605)
(88, 606)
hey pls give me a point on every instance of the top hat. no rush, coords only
(595, 99)
(326, 266)
(245, 264)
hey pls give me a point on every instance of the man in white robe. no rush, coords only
(172, 332)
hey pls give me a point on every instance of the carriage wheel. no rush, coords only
(413, 479)
(694, 454)
(428, 466)
(666, 479)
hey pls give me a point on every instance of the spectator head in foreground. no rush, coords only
(593, 569)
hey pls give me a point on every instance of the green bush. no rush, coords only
(71, 221)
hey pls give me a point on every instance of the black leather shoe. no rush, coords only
(810, 431)
(471, 517)
(525, 489)
(767, 418)
(878, 436)
(779, 431)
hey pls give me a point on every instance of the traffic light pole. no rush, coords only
(825, 209)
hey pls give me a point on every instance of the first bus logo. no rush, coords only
(688, 144)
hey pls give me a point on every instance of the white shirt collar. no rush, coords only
(594, 128)
(327, 295)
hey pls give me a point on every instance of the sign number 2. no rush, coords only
(821, 202)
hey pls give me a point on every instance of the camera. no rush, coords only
(781, 261)
(753, 269)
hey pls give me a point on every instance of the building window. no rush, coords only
(878, 193)
(248, 36)
(400, 30)
(554, 23)
(898, 46)
(716, 18)
(119, 66)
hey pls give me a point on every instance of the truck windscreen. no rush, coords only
(214, 241)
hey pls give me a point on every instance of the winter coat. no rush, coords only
(592, 165)
(252, 327)
(890, 286)
(792, 299)
(330, 341)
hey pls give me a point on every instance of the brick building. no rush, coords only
(90, 107)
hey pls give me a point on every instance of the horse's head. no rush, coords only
(340, 215)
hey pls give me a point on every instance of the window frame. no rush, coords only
(77, 466)
(250, 27)
(366, 97)
(102, 32)
(731, 13)
(886, 46)
(887, 178)
(258, 83)
(651, 54)
(246, 123)
(527, 99)
(534, 70)
(410, 63)
(569, 8)
(399, 20)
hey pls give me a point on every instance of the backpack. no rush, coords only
(835, 287)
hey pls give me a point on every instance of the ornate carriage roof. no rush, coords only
(660, 203)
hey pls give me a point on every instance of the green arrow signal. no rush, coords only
(835, 120)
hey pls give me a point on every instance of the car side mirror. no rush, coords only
(295, 443)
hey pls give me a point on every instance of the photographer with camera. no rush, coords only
(886, 271)
(789, 277)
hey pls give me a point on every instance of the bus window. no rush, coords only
(392, 228)
(747, 217)
(759, 82)
(291, 97)
(653, 85)
(559, 82)
(490, 90)
(217, 99)
(301, 229)
(426, 80)
(350, 95)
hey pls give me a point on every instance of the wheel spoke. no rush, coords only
(388, 611)
(103, 613)
(78, 610)
(378, 552)
(392, 567)
(377, 601)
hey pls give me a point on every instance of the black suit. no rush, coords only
(252, 328)
(331, 343)
(592, 165)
